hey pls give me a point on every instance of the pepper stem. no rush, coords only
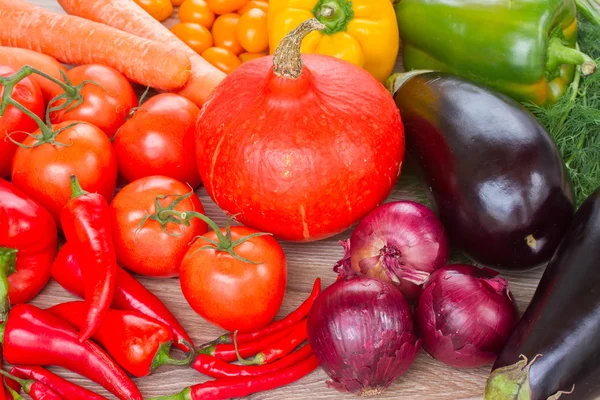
(334, 14)
(559, 54)
(8, 260)
(13, 393)
(258, 359)
(185, 394)
(163, 356)
(25, 383)
(76, 189)
(287, 60)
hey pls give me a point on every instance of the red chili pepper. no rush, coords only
(86, 223)
(27, 234)
(281, 348)
(137, 343)
(226, 352)
(37, 390)
(241, 387)
(292, 319)
(216, 368)
(129, 294)
(64, 388)
(36, 337)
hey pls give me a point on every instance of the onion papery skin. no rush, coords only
(361, 331)
(465, 315)
(396, 238)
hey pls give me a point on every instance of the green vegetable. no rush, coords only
(525, 49)
(574, 121)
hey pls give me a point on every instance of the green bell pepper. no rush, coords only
(523, 48)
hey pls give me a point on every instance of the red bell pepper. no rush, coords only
(37, 390)
(86, 223)
(27, 245)
(137, 343)
(64, 388)
(32, 336)
(129, 294)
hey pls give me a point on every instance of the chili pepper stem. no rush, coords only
(163, 357)
(258, 359)
(13, 393)
(25, 383)
(76, 189)
(8, 260)
(559, 54)
(185, 394)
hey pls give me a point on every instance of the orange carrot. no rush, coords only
(74, 40)
(17, 58)
(126, 15)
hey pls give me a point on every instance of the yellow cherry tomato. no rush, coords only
(196, 11)
(245, 57)
(224, 33)
(176, 2)
(225, 6)
(159, 9)
(263, 5)
(194, 35)
(221, 58)
(252, 31)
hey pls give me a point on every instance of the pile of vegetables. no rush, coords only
(278, 109)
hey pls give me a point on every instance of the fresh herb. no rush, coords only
(574, 121)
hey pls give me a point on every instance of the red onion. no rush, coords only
(362, 333)
(465, 315)
(402, 242)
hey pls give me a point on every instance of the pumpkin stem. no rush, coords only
(287, 60)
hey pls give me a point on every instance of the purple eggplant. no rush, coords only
(494, 174)
(555, 348)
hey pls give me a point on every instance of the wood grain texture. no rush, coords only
(428, 379)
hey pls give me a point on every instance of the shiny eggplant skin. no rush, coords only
(562, 322)
(494, 174)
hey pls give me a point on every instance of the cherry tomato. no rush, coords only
(141, 244)
(225, 6)
(105, 106)
(223, 59)
(14, 122)
(194, 35)
(159, 9)
(43, 171)
(224, 33)
(245, 57)
(252, 31)
(159, 140)
(263, 5)
(196, 11)
(228, 292)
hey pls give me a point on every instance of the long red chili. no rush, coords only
(226, 352)
(137, 343)
(281, 348)
(36, 337)
(64, 388)
(129, 294)
(291, 319)
(86, 224)
(27, 244)
(37, 390)
(216, 368)
(241, 387)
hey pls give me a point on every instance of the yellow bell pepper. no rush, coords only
(363, 32)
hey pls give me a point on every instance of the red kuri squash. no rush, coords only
(301, 147)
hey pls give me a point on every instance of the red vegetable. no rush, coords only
(465, 315)
(65, 389)
(300, 151)
(245, 386)
(402, 242)
(216, 368)
(27, 232)
(36, 337)
(86, 224)
(281, 348)
(37, 390)
(137, 343)
(361, 330)
(129, 293)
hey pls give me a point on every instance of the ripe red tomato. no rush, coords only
(16, 123)
(105, 106)
(43, 171)
(159, 140)
(143, 246)
(230, 293)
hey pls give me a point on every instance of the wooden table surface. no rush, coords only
(427, 379)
